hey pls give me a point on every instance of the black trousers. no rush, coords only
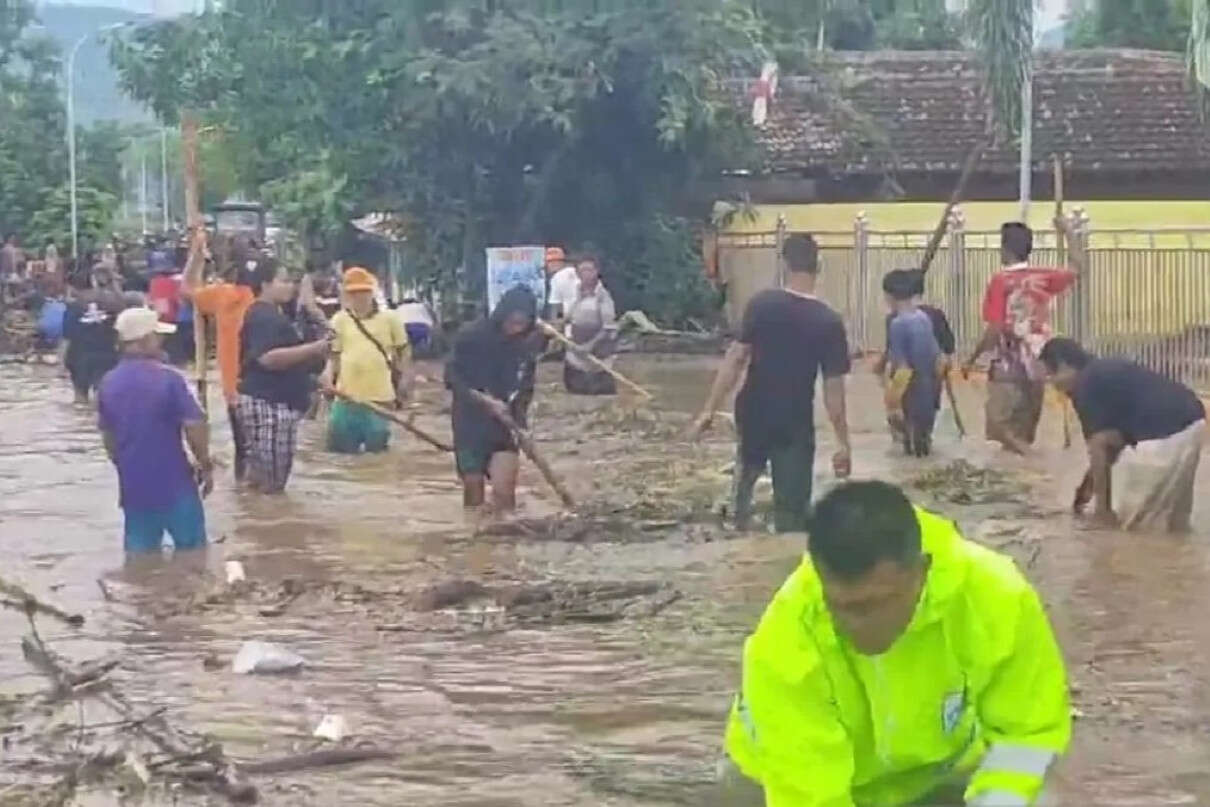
(793, 462)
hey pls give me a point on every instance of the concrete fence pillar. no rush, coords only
(860, 284)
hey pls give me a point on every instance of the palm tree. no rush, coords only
(1002, 34)
(1198, 54)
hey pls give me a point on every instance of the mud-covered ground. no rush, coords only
(554, 660)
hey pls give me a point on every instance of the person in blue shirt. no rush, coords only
(914, 366)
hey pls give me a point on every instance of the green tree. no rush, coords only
(52, 222)
(478, 123)
(33, 157)
(1151, 24)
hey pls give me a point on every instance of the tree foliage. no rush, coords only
(1150, 24)
(477, 123)
(33, 151)
(33, 157)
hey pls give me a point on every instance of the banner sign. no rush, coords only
(515, 266)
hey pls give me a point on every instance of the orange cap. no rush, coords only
(358, 279)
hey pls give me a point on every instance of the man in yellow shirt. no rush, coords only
(371, 362)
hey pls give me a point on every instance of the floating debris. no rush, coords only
(959, 482)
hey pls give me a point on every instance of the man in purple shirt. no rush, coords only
(144, 407)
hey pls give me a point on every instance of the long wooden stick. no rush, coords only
(968, 170)
(395, 418)
(1060, 238)
(196, 228)
(528, 447)
(949, 392)
(553, 332)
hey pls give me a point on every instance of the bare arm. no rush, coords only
(197, 436)
(283, 358)
(834, 402)
(733, 366)
(986, 342)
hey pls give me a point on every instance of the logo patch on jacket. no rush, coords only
(951, 711)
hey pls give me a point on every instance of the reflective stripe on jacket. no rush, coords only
(974, 691)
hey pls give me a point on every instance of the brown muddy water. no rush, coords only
(574, 709)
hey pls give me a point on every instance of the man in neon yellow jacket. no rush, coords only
(898, 664)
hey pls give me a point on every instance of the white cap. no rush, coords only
(135, 323)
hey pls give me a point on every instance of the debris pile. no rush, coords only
(959, 482)
(82, 735)
(455, 605)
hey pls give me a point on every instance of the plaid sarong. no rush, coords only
(270, 432)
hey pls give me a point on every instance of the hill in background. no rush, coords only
(98, 96)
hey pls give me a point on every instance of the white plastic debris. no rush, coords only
(133, 773)
(332, 727)
(264, 657)
(235, 572)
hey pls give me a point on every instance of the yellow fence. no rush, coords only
(1150, 304)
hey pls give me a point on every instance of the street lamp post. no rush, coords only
(164, 175)
(71, 130)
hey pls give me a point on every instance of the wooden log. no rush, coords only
(394, 417)
(553, 332)
(318, 759)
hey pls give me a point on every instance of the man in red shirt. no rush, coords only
(1016, 309)
(164, 295)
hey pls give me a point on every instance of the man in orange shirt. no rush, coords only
(227, 302)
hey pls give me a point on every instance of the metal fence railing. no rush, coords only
(1145, 295)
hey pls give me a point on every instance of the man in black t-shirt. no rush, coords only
(1147, 427)
(788, 338)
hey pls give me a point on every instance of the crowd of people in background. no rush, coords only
(284, 342)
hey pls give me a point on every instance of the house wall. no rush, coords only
(1105, 217)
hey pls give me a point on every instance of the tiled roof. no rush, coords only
(1101, 110)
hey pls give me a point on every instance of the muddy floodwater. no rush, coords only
(604, 678)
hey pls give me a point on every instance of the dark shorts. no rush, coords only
(793, 465)
(475, 457)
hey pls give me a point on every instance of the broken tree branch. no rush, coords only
(33, 605)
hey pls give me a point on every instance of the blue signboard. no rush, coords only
(515, 266)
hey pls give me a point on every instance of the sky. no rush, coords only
(1049, 12)
(138, 6)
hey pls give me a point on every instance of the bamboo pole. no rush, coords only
(395, 418)
(1060, 241)
(554, 333)
(968, 170)
(193, 211)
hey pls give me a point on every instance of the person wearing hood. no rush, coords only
(900, 664)
(491, 376)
